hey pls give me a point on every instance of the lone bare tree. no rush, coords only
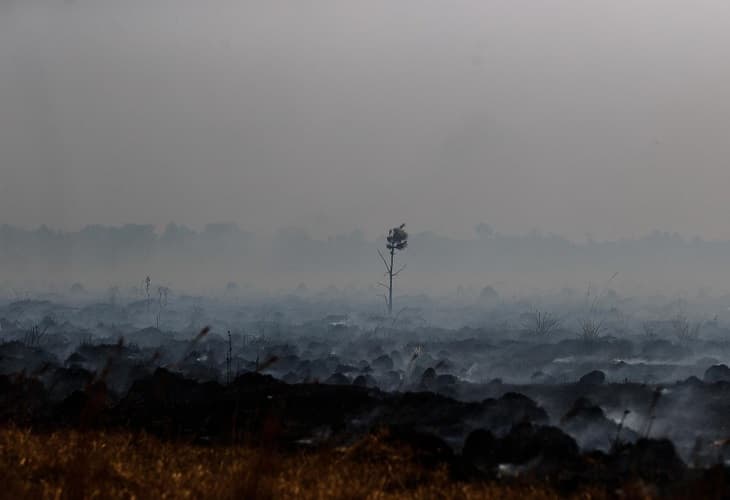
(396, 241)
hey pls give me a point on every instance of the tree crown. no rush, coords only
(397, 238)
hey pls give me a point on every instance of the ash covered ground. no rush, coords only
(558, 385)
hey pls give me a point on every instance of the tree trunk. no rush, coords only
(390, 285)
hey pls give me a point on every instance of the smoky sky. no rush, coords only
(609, 118)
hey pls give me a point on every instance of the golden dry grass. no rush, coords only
(109, 465)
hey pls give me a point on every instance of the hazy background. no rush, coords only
(608, 119)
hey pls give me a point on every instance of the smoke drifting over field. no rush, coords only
(602, 118)
(345, 119)
(209, 259)
(561, 305)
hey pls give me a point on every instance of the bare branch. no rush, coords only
(382, 257)
(399, 270)
(385, 298)
(541, 323)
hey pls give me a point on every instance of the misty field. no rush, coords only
(312, 398)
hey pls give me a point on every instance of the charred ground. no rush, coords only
(485, 406)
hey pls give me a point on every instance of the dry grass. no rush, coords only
(72, 464)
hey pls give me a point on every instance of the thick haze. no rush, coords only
(609, 118)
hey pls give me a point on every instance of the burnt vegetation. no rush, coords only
(623, 400)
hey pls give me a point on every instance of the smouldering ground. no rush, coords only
(72, 464)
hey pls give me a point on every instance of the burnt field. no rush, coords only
(325, 397)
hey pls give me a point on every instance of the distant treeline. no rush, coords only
(294, 250)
